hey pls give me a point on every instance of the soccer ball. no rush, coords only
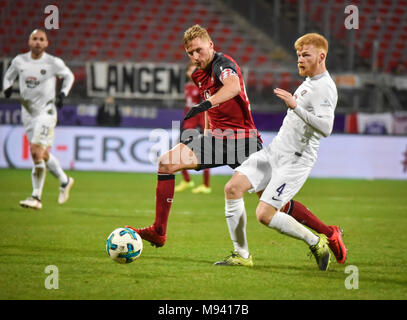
(124, 245)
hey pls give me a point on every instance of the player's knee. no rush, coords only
(165, 165)
(232, 190)
(263, 215)
(45, 155)
(165, 168)
(37, 153)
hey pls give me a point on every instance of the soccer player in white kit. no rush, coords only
(37, 72)
(279, 171)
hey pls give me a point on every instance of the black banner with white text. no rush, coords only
(135, 80)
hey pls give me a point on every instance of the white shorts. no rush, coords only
(281, 176)
(40, 129)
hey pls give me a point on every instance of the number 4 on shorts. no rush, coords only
(280, 189)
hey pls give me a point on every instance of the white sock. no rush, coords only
(286, 224)
(55, 168)
(38, 178)
(236, 220)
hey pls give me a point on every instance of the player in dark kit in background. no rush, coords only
(231, 139)
(196, 125)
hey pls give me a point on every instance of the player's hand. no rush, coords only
(7, 92)
(203, 106)
(59, 102)
(286, 97)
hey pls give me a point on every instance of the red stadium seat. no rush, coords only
(150, 45)
(261, 59)
(76, 52)
(179, 56)
(285, 81)
(268, 79)
(145, 55)
(6, 50)
(245, 59)
(116, 44)
(111, 54)
(252, 79)
(232, 50)
(128, 54)
(198, 21)
(400, 45)
(161, 56)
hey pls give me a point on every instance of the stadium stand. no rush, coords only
(107, 30)
(151, 31)
(125, 30)
(384, 21)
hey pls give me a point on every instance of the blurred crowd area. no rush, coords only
(132, 50)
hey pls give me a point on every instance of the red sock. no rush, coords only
(303, 215)
(164, 196)
(186, 176)
(206, 177)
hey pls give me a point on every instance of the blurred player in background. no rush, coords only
(279, 171)
(197, 123)
(37, 72)
(109, 113)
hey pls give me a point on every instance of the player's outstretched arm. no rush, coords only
(201, 107)
(286, 97)
(323, 122)
(229, 90)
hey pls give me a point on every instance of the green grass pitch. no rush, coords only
(72, 237)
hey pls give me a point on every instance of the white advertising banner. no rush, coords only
(136, 150)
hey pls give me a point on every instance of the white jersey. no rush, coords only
(37, 80)
(313, 118)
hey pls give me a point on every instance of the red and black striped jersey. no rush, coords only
(233, 114)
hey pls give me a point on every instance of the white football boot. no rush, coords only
(64, 191)
(31, 202)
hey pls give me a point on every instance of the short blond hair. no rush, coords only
(315, 39)
(196, 31)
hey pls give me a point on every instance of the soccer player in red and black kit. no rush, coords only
(193, 126)
(231, 139)
(232, 135)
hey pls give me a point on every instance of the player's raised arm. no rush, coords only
(229, 90)
(322, 120)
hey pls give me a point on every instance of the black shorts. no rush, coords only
(214, 152)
